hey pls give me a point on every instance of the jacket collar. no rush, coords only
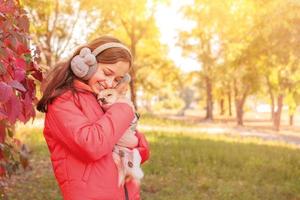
(79, 85)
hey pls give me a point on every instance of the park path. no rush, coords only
(217, 129)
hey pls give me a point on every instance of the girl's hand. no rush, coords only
(119, 100)
(124, 99)
(122, 88)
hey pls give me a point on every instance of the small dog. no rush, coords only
(126, 157)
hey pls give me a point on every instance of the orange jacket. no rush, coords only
(80, 138)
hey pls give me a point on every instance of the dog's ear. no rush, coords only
(122, 88)
(125, 79)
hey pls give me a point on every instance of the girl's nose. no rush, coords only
(108, 82)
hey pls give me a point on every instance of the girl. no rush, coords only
(80, 135)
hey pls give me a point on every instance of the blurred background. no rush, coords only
(228, 59)
(217, 83)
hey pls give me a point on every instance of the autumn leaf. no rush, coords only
(3, 114)
(19, 74)
(37, 75)
(2, 69)
(13, 105)
(5, 92)
(20, 62)
(17, 85)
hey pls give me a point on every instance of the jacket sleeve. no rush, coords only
(143, 146)
(89, 140)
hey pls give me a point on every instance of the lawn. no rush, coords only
(185, 166)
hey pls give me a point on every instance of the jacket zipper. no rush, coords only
(126, 192)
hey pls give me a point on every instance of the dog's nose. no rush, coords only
(102, 99)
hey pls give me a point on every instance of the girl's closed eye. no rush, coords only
(107, 73)
(118, 79)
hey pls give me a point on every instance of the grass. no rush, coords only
(185, 166)
(149, 119)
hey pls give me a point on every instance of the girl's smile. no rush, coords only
(108, 76)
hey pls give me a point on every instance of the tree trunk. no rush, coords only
(229, 103)
(239, 103)
(209, 99)
(272, 107)
(291, 120)
(271, 97)
(272, 103)
(240, 109)
(182, 111)
(239, 112)
(277, 113)
(222, 110)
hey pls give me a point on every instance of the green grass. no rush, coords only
(150, 119)
(186, 166)
(38, 183)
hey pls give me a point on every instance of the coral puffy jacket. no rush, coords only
(80, 138)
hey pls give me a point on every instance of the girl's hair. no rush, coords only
(60, 79)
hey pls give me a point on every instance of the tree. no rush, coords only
(204, 40)
(58, 26)
(292, 100)
(18, 75)
(223, 88)
(278, 50)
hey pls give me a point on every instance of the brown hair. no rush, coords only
(60, 79)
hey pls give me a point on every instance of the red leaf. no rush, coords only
(19, 74)
(13, 108)
(30, 86)
(3, 114)
(20, 62)
(28, 101)
(5, 9)
(21, 48)
(13, 40)
(30, 67)
(10, 54)
(2, 69)
(28, 108)
(7, 42)
(38, 75)
(17, 85)
(6, 92)
(35, 66)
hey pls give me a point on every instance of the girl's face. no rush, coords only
(108, 75)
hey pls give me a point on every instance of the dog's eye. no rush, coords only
(109, 95)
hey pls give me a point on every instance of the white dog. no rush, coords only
(126, 157)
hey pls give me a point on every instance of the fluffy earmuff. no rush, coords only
(85, 64)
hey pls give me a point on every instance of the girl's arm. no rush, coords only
(143, 146)
(86, 139)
